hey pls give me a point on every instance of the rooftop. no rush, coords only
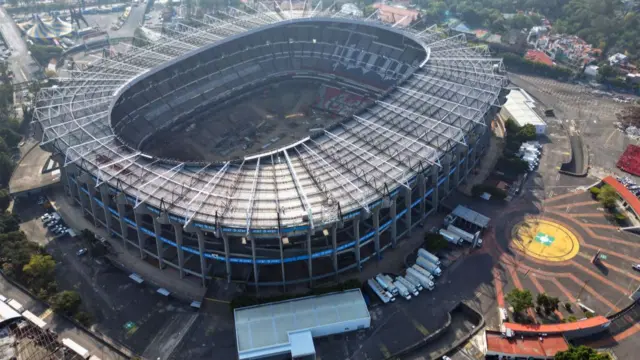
(558, 328)
(288, 326)
(545, 347)
(520, 105)
(539, 57)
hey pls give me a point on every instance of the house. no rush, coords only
(591, 70)
(539, 57)
(393, 14)
(618, 59)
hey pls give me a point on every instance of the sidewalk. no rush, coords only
(187, 289)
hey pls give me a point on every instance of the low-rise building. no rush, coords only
(524, 347)
(395, 14)
(539, 57)
(287, 328)
(519, 107)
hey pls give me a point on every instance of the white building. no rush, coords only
(288, 327)
(618, 59)
(520, 107)
(591, 70)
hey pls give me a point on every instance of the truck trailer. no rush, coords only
(418, 276)
(470, 238)
(402, 290)
(384, 296)
(412, 288)
(386, 285)
(424, 272)
(429, 256)
(451, 237)
(415, 283)
(429, 266)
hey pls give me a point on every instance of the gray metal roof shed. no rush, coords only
(289, 326)
(471, 216)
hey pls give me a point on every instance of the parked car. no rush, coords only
(81, 251)
(636, 267)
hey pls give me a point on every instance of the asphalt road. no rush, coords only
(20, 62)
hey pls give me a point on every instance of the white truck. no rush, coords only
(384, 296)
(429, 266)
(414, 282)
(424, 272)
(465, 235)
(429, 256)
(451, 237)
(388, 286)
(402, 290)
(406, 283)
(419, 277)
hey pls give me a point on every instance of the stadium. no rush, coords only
(271, 147)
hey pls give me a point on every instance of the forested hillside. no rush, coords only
(611, 25)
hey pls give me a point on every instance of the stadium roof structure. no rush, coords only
(440, 97)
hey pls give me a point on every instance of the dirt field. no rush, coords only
(592, 115)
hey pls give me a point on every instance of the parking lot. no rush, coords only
(134, 315)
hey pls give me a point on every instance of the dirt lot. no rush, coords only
(593, 115)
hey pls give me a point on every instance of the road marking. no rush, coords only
(423, 330)
(46, 314)
(216, 300)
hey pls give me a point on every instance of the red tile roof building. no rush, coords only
(525, 347)
(392, 14)
(539, 57)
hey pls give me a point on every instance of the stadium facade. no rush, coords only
(297, 213)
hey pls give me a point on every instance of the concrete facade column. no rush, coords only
(376, 231)
(447, 170)
(356, 236)
(138, 218)
(394, 222)
(106, 201)
(407, 205)
(157, 229)
(177, 228)
(422, 190)
(120, 201)
(284, 285)
(456, 175)
(434, 183)
(227, 255)
(334, 244)
(253, 260)
(203, 261)
(92, 203)
(310, 261)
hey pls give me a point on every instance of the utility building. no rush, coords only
(520, 107)
(287, 328)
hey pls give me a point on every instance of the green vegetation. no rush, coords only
(496, 193)
(67, 302)
(520, 300)
(607, 196)
(83, 318)
(567, 306)
(607, 24)
(547, 303)
(571, 318)
(581, 353)
(249, 300)
(434, 242)
(518, 64)
(595, 191)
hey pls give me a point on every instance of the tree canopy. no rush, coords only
(67, 302)
(520, 300)
(608, 196)
(581, 353)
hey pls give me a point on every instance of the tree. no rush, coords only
(5, 200)
(84, 318)
(608, 196)
(66, 302)
(435, 242)
(11, 138)
(526, 133)
(521, 300)
(547, 303)
(581, 353)
(39, 271)
(6, 169)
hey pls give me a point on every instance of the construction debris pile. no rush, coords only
(629, 120)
